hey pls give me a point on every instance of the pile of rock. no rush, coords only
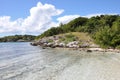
(73, 44)
(55, 41)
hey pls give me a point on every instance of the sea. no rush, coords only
(21, 61)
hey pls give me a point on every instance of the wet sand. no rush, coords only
(93, 67)
(81, 66)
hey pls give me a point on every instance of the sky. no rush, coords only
(36, 16)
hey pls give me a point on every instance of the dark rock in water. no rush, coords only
(34, 44)
(89, 50)
(43, 48)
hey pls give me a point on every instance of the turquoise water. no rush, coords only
(21, 61)
(12, 50)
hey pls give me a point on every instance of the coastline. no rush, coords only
(62, 41)
(76, 47)
(91, 49)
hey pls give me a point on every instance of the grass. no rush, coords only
(79, 35)
(76, 36)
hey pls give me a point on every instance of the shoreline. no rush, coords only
(86, 49)
(74, 45)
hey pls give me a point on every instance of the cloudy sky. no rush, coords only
(36, 16)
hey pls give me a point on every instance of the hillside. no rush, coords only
(67, 40)
(103, 29)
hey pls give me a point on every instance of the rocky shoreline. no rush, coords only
(54, 42)
(90, 49)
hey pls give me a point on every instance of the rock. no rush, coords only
(94, 46)
(89, 50)
(56, 45)
(43, 40)
(45, 44)
(34, 44)
(49, 44)
(84, 45)
(73, 44)
(76, 42)
(62, 45)
(53, 46)
(43, 48)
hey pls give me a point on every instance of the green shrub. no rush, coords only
(118, 47)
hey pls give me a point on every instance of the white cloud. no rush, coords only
(9, 26)
(40, 19)
(67, 18)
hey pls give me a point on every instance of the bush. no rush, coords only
(69, 38)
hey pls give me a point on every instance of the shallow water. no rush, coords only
(21, 61)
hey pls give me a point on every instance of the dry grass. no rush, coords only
(80, 35)
(84, 37)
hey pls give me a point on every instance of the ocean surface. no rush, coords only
(21, 61)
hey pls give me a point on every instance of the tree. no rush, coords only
(103, 37)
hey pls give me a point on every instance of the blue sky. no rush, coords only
(13, 12)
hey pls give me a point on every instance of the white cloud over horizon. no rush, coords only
(39, 20)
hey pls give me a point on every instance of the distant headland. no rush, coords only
(18, 38)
